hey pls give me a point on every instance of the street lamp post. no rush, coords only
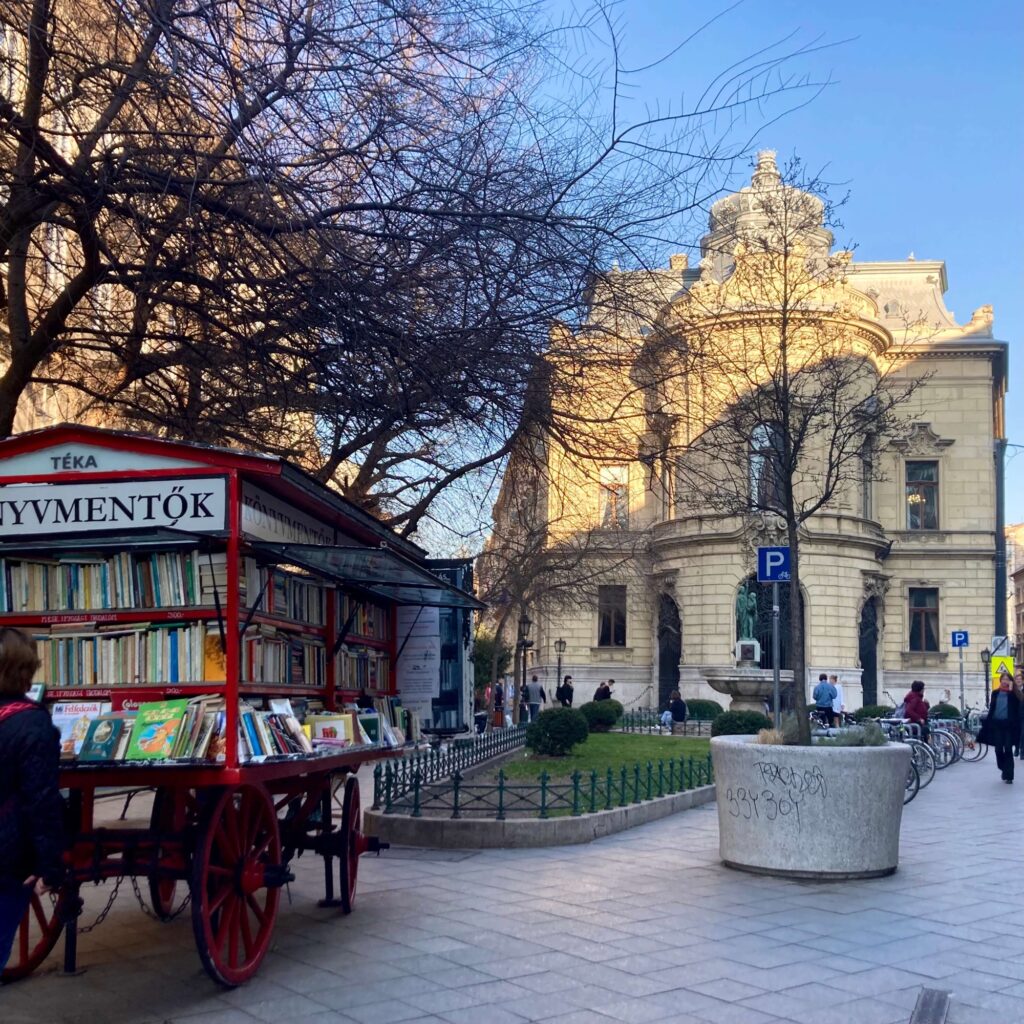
(986, 660)
(559, 650)
(522, 645)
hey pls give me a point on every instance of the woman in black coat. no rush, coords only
(1001, 728)
(31, 807)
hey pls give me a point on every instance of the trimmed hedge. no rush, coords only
(943, 710)
(703, 710)
(601, 715)
(873, 711)
(739, 723)
(557, 731)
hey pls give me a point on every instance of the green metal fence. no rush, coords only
(584, 793)
(646, 720)
(394, 778)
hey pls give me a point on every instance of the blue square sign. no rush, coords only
(773, 565)
(960, 638)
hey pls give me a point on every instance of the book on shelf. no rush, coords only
(72, 719)
(271, 733)
(368, 621)
(272, 655)
(107, 738)
(285, 594)
(357, 667)
(157, 725)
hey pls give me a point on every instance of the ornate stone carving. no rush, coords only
(876, 585)
(981, 321)
(763, 530)
(920, 439)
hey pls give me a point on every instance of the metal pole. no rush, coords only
(775, 655)
(558, 672)
(962, 704)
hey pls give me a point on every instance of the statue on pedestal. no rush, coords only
(746, 612)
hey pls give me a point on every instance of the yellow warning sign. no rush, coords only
(999, 666)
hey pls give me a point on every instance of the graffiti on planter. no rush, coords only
(783, 790)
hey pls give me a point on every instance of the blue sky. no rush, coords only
(923, 124)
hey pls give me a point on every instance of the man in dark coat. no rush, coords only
(31, 807)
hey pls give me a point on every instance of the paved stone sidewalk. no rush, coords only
(641, 926)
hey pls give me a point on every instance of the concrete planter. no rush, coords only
(821, 813)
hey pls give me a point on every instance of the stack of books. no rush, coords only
(361, 668)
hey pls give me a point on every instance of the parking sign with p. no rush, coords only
(773, 565)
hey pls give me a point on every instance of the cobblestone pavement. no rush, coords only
(642, 926)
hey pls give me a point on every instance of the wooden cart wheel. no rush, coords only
(37, 934)
(236, 880)
(171, 811)
(353, 844)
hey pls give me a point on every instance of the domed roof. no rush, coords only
(753, 212)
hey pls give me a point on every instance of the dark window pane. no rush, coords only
(611, 616)
(924, 619)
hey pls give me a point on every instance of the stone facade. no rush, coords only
(862, 554)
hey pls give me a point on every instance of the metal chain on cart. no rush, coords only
(85, 929)
(148, 911)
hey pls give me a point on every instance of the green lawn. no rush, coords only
(607, 750)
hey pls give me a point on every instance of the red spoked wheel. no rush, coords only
(37, 934)
(172, 810)
(236, 880)
(353, 843)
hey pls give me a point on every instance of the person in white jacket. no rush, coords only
(837, 704)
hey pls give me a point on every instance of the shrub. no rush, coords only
(703, 710)
(943, 710)
(739, 723)
(601, 715)
(873, 711)
(771, 737)
(867, 735)
(557, 731)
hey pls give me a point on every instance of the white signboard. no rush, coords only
(190, 504)
(265, 517)
(418, 671)
(86, 458)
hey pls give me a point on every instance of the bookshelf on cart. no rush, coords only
(206, 620)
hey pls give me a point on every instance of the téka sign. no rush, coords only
(189, 504)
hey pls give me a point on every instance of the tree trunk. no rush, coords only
(798, 688)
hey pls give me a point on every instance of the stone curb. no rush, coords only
(488, 834)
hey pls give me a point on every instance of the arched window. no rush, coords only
(766, 477)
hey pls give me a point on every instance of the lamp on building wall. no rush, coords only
(559, 650)
(986, 660)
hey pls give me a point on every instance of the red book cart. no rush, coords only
(151, 570)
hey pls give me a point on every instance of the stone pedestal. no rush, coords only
(747, 685)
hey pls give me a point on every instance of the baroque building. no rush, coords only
(904, 550)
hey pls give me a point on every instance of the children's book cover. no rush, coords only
(156, 728)
(102, 739)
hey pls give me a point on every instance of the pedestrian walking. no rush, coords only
(31, 807)
(837, 704)
(564, 693)
(535, 696)
(604, 691)
(1001, 727)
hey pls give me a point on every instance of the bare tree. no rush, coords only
(336, 230)
(788, 382)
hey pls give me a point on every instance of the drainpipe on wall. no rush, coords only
(999, 448)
